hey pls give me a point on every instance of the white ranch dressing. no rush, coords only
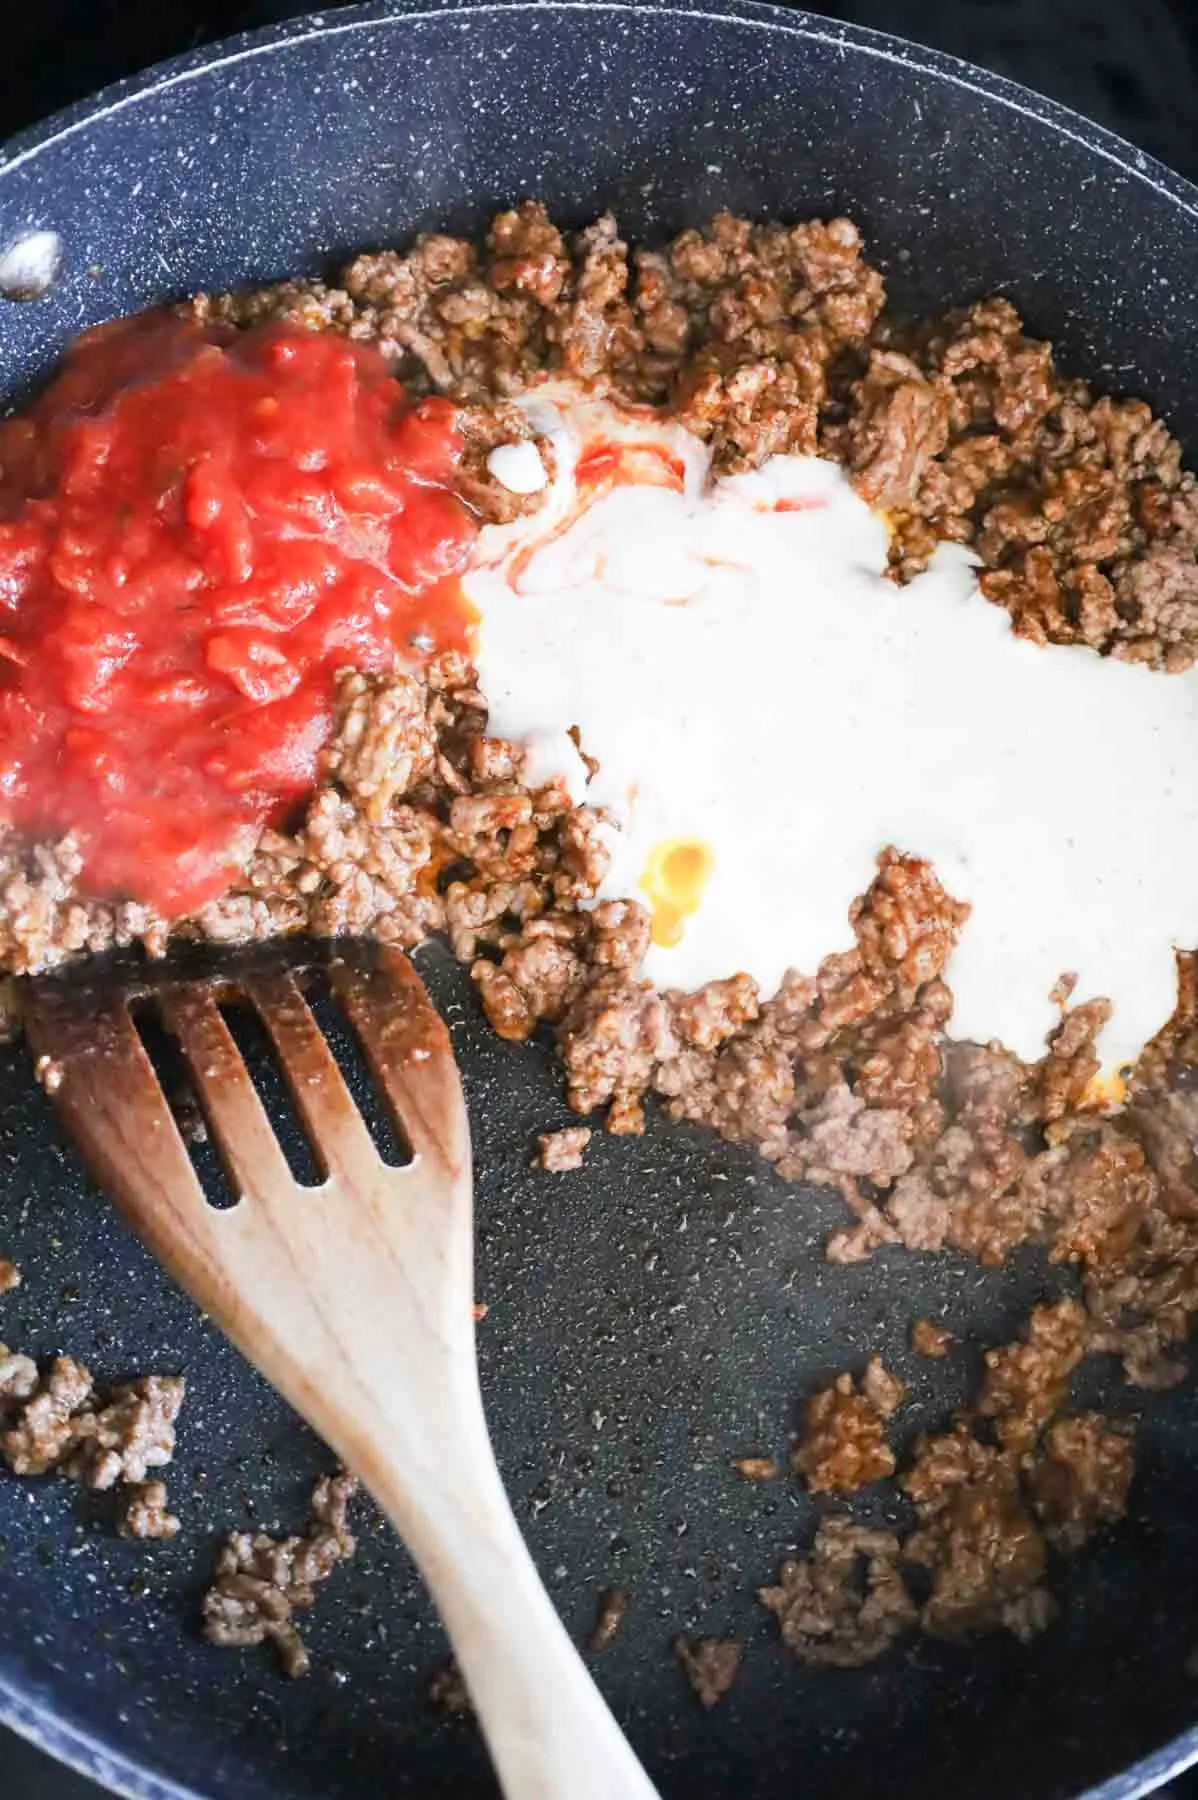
(748, 680)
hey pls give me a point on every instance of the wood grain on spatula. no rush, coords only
(369, 1274)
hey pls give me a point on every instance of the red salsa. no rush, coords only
(198, 528)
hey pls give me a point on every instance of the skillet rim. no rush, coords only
(34, 1718)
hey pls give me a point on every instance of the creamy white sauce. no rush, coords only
(30, 265)
(518, 468)
(749, 680)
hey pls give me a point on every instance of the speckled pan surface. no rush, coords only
(658, 1313)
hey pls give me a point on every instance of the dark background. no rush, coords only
(1131, 64)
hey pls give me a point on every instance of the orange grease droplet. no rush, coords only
(675, 876)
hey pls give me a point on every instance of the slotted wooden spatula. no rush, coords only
(354, 1298)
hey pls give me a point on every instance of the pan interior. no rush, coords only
(657, 1314)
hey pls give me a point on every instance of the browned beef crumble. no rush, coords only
(1009, 1481)
(133, 1433)
(1085, 521)
(977, 1539)
(1079, 1480)
(843, 1443)
(38, 1434)
(447, 1691)
(992, 1496)
(56, 1422)
(884, 1390)
(845, 1603)
(931, 1339)
(710, 1664)
(763, 338)
(609, 1617)
(262, 1582)
(757, 1468)
(18, 1383)
(145, 1512)
(561, 1151)
(1026, 1382)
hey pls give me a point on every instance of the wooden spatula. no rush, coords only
(354, 1298)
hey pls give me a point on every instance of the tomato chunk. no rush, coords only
(198, 528)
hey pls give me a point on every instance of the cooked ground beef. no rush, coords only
(977, 1538)
(145, 1513)
(1079, 507)
(845, 1603)
(261, 1582)
(1026, 1382)
(1080, 1478)
(1005, 1483)
(55, 1423)
(883, 1389)
(39, 1434)
(757, 1468)
(18, 1382)
(992, 1496)
(561, 1151)
(448, 1692)
(612, 1611)
(134, 1433)
(711, 1665)
(931, 1339)
(843, 1443)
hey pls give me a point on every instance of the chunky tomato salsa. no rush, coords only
(198, 528)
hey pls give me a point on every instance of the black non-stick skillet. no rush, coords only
(659, 1313)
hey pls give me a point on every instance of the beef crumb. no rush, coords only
(843, 1444)
(1080, 1478)
(977, 1538)
(757, 1468)
(563, 1150)
(56, 1423)
(930, 1338)
(40, 1434)
(144, 1513)
(18, 1383)
(885, 1390)
(1026, 1382)
(845, 1603)
(262, 1582)
(1008, 1484)
(612, 1611)
(447, 1691)
(1009, 1481)
(133, 1433)
(711, 1665)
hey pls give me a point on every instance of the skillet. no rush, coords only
(659, 1313)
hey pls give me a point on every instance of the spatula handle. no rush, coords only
(547, 1726)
